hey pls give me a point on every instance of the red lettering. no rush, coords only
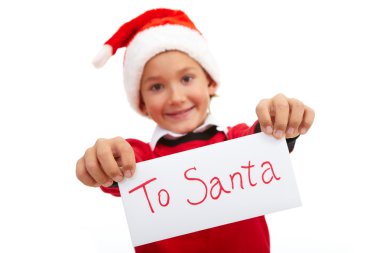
(220, 187)
(201, 181)
(266, 171)
(145, 191)
(167, 197)
(232, 180)
(248, 167)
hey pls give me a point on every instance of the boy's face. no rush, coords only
(175, 91)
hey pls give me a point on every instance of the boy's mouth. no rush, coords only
(181, 113)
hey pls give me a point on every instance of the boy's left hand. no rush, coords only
(279, 116)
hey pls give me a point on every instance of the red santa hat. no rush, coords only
(149, 34)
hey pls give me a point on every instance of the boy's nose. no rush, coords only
(177, 95)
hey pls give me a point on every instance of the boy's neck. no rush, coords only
(160, 132)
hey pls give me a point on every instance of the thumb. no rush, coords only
(125, 157)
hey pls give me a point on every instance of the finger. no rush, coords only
(297, 110)
(107, 160)
(263, 111)
(94, 169)
(308, 119)
(281, 115)
(83, 175)
(125, 156)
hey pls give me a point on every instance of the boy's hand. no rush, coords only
(107, 161)
(281, 115)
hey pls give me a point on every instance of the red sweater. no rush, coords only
(244, 236)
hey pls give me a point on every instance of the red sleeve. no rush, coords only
(142, 153)
(242, 130)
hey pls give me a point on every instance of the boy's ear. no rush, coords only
(143, 108)
(212, 86)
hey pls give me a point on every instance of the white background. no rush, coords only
(54, 104)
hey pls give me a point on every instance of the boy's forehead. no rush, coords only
(170, 61)
(170, 54)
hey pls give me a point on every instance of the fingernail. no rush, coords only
(108, 184)
(118, 178)
(303, 130)
(290, 130)
(128, 174)
(269, 130)
(278, 133)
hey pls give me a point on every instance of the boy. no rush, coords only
(170, 77)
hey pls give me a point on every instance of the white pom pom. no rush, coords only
(102, 57)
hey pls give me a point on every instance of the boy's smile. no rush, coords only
(180, 114)
(176, 91)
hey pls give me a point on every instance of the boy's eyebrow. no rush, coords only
(150, 79)
(185, 69)
(155, 78)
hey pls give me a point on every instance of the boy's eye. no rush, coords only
(156, 87)
(187, 79)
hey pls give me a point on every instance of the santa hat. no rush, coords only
(149, 34)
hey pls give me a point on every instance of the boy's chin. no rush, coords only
(181, 128)
(185, 125)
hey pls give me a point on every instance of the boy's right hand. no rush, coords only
(107, 161)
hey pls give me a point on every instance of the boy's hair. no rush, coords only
(149, 34)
